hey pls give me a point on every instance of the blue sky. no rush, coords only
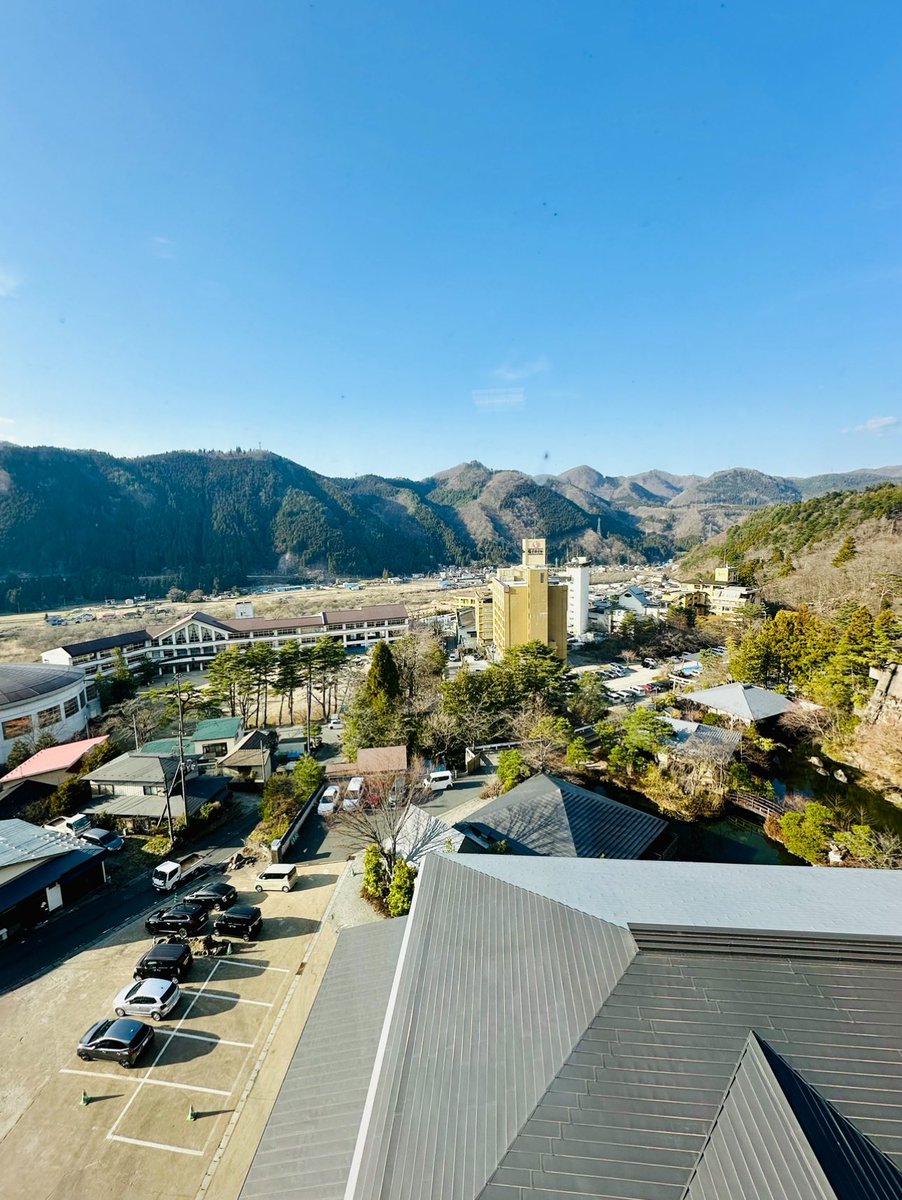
(393, 236)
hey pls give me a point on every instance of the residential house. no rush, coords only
(55, 763)
(143, 786)
(251, 758)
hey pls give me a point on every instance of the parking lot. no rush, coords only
(151, 1129)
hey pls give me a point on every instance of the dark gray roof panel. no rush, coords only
(306, 1148)
(496, 987)
(756, 1146)
(651, 1070)
(549, 816)
(21, 682)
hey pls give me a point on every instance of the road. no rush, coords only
(101, 914)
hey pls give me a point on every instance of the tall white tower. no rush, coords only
(577, 574)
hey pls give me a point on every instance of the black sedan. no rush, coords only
(243, 921)
(183, 919)
(215, 896)
(122, 1041)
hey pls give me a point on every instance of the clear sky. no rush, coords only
(391, 236)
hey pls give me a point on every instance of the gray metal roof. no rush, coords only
(547, 815)
(494, 987)
(630, 1112)
(742, 700)
(136, 767)
(306, 1149)
(21, 682)
(22, 842)
(691, 739)
(711, 895)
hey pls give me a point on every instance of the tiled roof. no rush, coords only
(135, 767)
(547, 815)
(54, 758)
(691, 739)
(216, 729)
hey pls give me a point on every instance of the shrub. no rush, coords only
(512, 769)
(807, 834)
(375, 876)
(400, 894)
(158, 846)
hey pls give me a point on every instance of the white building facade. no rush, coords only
(36, 698)
(193, 641)
(576, 576)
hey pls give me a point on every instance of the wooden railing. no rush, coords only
(763, 806)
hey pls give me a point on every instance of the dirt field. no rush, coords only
(136, 1126)
(24, 635)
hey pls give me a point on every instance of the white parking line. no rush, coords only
(185, 1087)
(117, 1137)
(209, 1037)
(146, 1078)
(251, 966)
(230, 996)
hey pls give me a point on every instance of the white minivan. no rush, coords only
(354, 793)
(279, 877)
(439, 781)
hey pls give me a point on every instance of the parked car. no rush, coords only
(354, 793)
(154, 998)
(215, 896)
(104, 838)
(182, 919)
(328, 800)
(334, 722)
(438, 781)
(242, 921)
(122, 1041)
(279, 877)
(168, 960)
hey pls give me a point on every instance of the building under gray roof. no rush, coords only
(548, 815)
(707, 743)
(134, 637)
(616, 1029)
(741, 700)
(21, 682)
(22, 842)
(136, 767)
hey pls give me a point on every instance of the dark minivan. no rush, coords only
(242, 921)
(168, 960)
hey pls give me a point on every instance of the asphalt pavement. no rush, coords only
(101, 914)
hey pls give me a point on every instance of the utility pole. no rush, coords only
(181, 734)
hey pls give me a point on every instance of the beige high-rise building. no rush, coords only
(527, 606)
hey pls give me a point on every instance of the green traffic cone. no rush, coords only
(228, 948)
(85, 1099)
(192, 1115)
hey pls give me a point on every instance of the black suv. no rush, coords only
(243, 921)
(183, 919)
(122, 1041)
(215, 896)
(169, 960)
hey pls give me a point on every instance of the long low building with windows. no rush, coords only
(191, 642)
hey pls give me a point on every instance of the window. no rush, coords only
(17, 727)
(91, 691)
(206, 635)
(180, 638)
(70, 708)
(81, 700)
(50, 716)
(193, 633)
(215, 749)
(152, 789)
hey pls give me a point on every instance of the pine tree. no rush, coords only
(887, 638)
(846, 552)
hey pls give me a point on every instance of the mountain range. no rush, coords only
(81, 525)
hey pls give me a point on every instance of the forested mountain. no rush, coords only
(827, 551)
(689, 508)
(83, 525)
(80, 525)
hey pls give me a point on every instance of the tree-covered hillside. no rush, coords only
(81, 525)
(845, 546)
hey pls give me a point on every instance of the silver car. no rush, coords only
(154, 998)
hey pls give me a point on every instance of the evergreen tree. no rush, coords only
(845, 678)
(887, 638)
(846, 552)
(382, 678)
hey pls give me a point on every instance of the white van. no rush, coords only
(354, 793)
(279, 877)
(439, 781)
